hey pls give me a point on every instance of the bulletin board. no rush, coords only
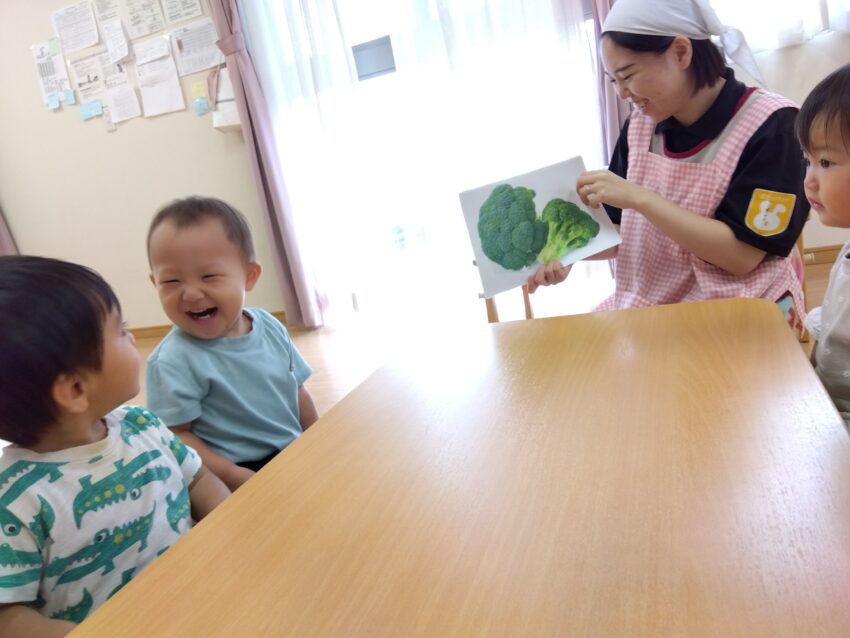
(116, 60)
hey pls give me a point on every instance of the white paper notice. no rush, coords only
(50, 65)
(113, 74)
(160, 87)
(195, 48)
(107, 9)
(123, 103)
(115, 40)
(88, 74)
(176, 10)
(150, 50)
(75, 26)
(144, 17)
(225, 114)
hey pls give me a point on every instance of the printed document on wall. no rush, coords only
(88, 75)
(177, 10)
(95, 74)
(144, 17)
(75, 26)
(160, 87)
(195, 47)
(50, 66)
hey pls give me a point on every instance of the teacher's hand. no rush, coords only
(548, 275)
(604, 187)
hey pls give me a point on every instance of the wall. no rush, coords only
(72, 190)
(793, 72)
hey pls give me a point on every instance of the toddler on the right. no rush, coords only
(823, 128)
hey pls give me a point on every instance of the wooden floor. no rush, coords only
(343, 357)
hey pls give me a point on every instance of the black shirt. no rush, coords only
(771, 160)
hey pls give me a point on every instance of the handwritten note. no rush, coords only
(115, 40)
(150, 50)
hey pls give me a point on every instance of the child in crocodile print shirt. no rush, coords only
(90, 492)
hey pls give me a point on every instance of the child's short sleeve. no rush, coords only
(174, 395)
(186, 457)
(812, 322)
(301, 368)
(20, 561)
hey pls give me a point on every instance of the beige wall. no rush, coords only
(793, 72)
(72, 190)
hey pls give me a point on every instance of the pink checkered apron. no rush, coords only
(651, 268)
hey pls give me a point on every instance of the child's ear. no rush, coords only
(252, 273)
(69, 393)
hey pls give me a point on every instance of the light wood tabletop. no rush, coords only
(669, 471)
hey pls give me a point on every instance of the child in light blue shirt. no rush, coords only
(226, 378)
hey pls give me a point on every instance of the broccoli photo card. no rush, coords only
(517, 224)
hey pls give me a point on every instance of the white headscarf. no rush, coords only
(693, 19)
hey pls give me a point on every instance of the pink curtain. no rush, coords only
(7, 243)
(614, 110)
(299, 295)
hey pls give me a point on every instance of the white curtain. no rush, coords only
(772, 24)
(838, 14)
(484, 90)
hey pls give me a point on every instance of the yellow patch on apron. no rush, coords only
(769, 212)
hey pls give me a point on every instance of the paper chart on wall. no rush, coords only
(75, 26)
(177, 10)
(160, 87)
(194, 46)
(50, 66)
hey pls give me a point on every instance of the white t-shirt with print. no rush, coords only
(76, 525)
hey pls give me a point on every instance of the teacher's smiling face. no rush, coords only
(658, 85)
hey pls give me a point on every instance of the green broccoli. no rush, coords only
(569, 228)
(510, 232)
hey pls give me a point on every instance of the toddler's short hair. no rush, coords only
(52, 316)
(828, 104)
(193, 210)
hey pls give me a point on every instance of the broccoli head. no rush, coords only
(569, 228)
(510, 232)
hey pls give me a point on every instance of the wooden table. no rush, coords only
(672, 471)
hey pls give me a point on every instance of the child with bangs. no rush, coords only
(91, 491)
(823, 128)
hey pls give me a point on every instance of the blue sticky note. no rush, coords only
(53, 101)
(200, 105)
(88, 110)
(70, 98)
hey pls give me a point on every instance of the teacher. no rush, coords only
(706, 179)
